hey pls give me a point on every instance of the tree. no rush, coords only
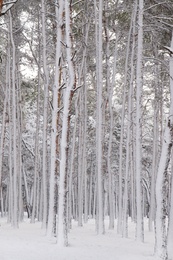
(46, 96)
(54, 130)
(99, 80)
(14, 133)
(62, 211)
(161, 184)
(139, 217)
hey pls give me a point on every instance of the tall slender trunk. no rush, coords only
(161, 239)
(36, 159)
(139, 218)
(128, 139)
(110, 86)
(46, 95)
(3, 135)
(162, 235)
(170, 216)
(99, 114)
(120, 178)
(80, 165)
(62, 214)
(131, 116)
(10, 184)
(71, 211)
(15, 184)
(170, 224)
(19, 146)
(155, 151)
(56, 87)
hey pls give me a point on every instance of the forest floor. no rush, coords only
(29, 242)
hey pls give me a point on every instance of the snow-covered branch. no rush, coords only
(7, 6)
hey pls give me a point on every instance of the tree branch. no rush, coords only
(7, 6)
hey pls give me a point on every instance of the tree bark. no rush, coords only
(139, 224)
(62, 214)
(45, 111)
(99, 115)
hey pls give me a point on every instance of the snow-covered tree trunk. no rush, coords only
(99, 74)
(155, 155)
(120, 192)
(10, 184)
(28, 208)
(120, 171)
(131, 116)
(170, 216)
(19, 147)
(62, 214)
(71, 193)
(2, 146)
(160, 228)
(36, 159)
(45, 112)
(82, 113)
(80, 154)
(3, 130)
(6, 111)
(59, 17)
(170, 225)
(14, 137)
(109, 88)
(129, 112)
(139, 218)
(110, 177)
(164, 235)
(85, 145)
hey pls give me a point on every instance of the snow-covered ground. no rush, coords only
(30, 243)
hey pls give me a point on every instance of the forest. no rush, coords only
(86, 116)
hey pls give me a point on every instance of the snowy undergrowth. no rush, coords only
(30, 243)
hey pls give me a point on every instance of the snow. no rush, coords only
(29, 242)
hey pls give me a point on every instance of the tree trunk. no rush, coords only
(62, 214)
(170, 224)
(139, 224)
(59, 15)
(45, 111)
(99, 78)
(14, 111)
(161, 239)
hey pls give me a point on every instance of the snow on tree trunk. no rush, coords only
(15, 188)
(161, 239)
(80, 170)
(155, 152)
(121, 200)
(110, 177)
(170, 225)
(99, 114)
(163, 235)
(3, 133)
(131, 116)
(139, 218)
(128, 139)
(10, 184)
(36, 162)
(85, 146)
(19, 146)
(170, 217)
(46, 94)
(59, 15)
(62, 214)
(70, 194)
